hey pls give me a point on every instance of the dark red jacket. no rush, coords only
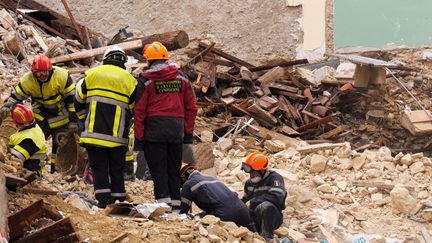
(166, 107)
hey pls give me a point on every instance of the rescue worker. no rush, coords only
(265, 191)
(28, 143)
(143, 172)
(164, 119)
(213, 197)
(104, 100)
(51, 90)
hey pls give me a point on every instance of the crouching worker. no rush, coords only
(28, 144)
(266, 193)
(213, 197)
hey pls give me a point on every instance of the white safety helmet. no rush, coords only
(116, 53)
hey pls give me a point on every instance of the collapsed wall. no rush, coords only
(257, 31)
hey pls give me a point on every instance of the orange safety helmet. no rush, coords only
(185, 171)
(255, 161)
(41, 63)
(22, 115)
(155, 51)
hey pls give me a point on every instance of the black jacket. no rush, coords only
(213, 197)
(271, 189)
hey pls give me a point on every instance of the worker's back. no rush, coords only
(213, 197)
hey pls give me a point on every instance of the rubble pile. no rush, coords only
(349, 192)
(348, 163)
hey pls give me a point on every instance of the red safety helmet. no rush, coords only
(22, 115)
(255, 161)
(41, 63)
(41, 67)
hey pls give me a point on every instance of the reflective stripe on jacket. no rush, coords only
(271, 189)
(53, 100)
(28, 143)
(107, 95)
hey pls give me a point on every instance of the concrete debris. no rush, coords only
(401, 200)
(318, 163)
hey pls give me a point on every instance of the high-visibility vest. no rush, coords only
(107, 91)
(22, 149)
(48, 95)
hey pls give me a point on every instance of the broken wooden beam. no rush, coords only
(51, 232)
(240, 110)
(171, 40)
(35, 21)
(12, 182)
(4, 230)
(227, 56)
(130, 45)
(260, 113)
(74, 23)
(18, 221)
(199, 57)
(281, 64)
(315, 123)
(334, 132)
(310, 114)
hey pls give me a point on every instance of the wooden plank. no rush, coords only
(96, 52)
(120, 237)
(295, 81)
(334, 132)
(74, 23)
(281, 64)
(418, 123)
(14, 181)
(4, 229)
(271, 75)
(319, 147)
(51, 232)
(35, 21)
(317, 117)
(315, 123)
(19, 220)
(258, 112)
(282, 87)
(289, 95)
(198, 57)
(227, 56)
(240, 110)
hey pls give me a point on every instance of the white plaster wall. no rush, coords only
(254, 30)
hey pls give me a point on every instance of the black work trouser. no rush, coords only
(267, 218)
(164, 162)
(107, 166)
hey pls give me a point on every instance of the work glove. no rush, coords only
(187, 139)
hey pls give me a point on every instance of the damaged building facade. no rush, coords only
(252, 30)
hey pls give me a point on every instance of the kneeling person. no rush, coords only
(266, 192)
(28, 144)
(213, 197)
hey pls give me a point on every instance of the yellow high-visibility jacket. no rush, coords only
(104, 100)
(52, 99)
(28, 143)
